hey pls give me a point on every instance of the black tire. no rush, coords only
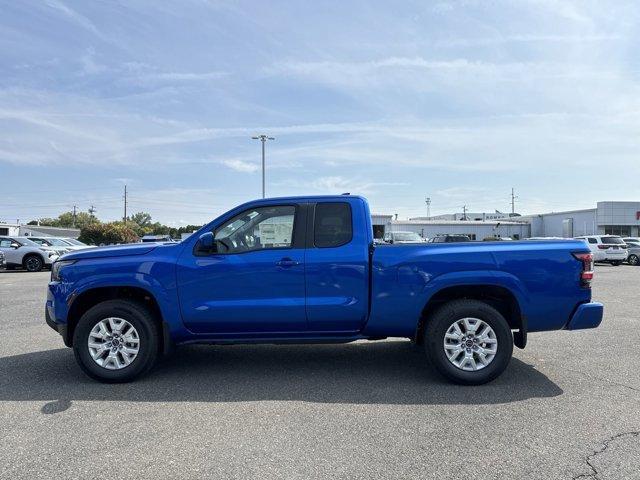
(633, 260)
(32, 263)
(140, 318)
(438, 324)
(616, 263)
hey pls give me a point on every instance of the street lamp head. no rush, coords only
(255, 138)
(271, 138)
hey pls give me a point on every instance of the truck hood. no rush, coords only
(111, 251)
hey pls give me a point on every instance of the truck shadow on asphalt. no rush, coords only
(362, 373)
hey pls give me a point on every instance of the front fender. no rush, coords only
(155, 277)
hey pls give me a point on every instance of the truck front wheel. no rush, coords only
(116, 341)
(468, 341)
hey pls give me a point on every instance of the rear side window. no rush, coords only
(612, 240)
(332, 226)
(592, 240)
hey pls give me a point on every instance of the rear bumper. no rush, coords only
(587, 315)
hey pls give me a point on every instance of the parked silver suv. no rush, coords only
(22, 252)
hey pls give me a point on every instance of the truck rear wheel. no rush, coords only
(468, 341)
(116, 341)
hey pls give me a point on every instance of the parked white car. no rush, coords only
(76, 244)
(61, 247)
(22, 252)
(607, 248)
(402, 237)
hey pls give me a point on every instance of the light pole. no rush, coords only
(263, 139)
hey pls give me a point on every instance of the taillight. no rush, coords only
(587, 268)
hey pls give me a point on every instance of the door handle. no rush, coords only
(287, 262)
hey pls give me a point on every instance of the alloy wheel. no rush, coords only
(113, 343)
(470, 344)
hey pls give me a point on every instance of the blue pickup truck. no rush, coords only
(306, 270)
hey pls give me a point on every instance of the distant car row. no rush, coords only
(613, 249)
(412, 237)
(34, 253)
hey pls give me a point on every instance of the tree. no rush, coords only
(65, 220)
(107, 233)
(142, 219)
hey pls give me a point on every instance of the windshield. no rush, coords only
(407, 237)
(26, 242)
(612, 240)
(73, 241)
(56, 241)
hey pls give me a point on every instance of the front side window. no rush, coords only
(257, 229)
(332, 225)
(5, 242)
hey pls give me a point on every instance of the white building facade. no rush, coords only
(608, 218)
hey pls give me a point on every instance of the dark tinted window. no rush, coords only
(332, 225)
(612, 240)
(592, 240)
(457, 238)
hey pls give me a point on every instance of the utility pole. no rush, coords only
(464, 212)
(74, 216)
(513, 201)
(263, 139)
(125, 205)
(428, 202)
(92, 210)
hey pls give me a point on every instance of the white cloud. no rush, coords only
(240, 165)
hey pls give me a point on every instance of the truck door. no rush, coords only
(253, 280)
(337, 266)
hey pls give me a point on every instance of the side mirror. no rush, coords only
(206, 243)
(15, 245)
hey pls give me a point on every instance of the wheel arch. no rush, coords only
(93, 296)
(499, 297)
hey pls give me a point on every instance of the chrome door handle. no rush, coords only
(287, 262)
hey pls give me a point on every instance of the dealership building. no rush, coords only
(610, 218)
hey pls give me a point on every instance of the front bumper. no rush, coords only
(61, 328)
(587, 315)
(50, 317)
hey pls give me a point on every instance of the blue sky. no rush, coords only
(459, 101)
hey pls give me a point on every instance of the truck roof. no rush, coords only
(309, 198)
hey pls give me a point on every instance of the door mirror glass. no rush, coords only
(15, 245)
(206, 244)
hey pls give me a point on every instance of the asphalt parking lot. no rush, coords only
(567, 407)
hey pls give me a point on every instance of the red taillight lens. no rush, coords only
(587, 268)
